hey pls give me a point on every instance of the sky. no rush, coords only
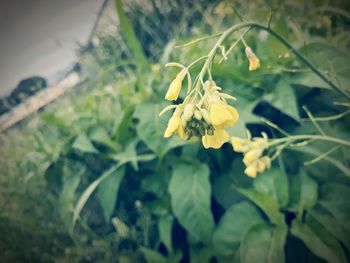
(39, 37)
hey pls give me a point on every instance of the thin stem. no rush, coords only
(319, 158)
(193, 42)
(282, 41)
(330, 118)
(234, 45)
(314, 122)
(306, 137)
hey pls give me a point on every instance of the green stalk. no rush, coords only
(130, 35)
(280, 39)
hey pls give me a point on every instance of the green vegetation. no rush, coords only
(92, 179)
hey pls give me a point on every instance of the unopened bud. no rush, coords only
(189, 111)
(198, 115)
(205, 115)
(254, 62)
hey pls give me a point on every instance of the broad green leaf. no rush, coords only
(308, 193)
(265, 201)
(100, 135)
(224, 192)
(129, 34)
(263, 243)
(303, 192)
(165, 226)
(151, 128)
(275, 183)
(335, 198)
(200, 254)
(90, 189)
(129, 155)
(327, 58)
(190, 193)
(331, 225)
(107, 191)
(152, 256)
(83, 144)
(310, 80)
(283, 98)
(236, 221)
(122, 124)
(316, 243)
(72, 173)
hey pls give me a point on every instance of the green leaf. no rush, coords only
(72, 173)
(308, 192)
(236, 221)
(263, 243)
(327, 58)
(316, 242)
(331, 225)
(151, 129)
(122, 124)
(90, 189)
(129, 155)
(200, 254)
(335, 198)
(265, 201)
(165, 226)
(107, 191)
(283, 98)
(152, 256)
(274, 183)
(129, 34)
(190, 193)
(100, 135)
(83, 144)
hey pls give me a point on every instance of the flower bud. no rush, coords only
(251, 170)
(252, 156)
(205, 115)
(254, 62)
(239, 144)
(198, 115)
(189, 111)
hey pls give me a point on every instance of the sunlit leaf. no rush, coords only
(190, 200)
(107, 191)
(83, 144)
(236, 221)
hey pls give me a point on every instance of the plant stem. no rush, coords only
(313, 137)
(281, 40)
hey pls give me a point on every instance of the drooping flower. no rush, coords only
(252, 155)
(239, 144)
(175, 126)
(254, 62)
(222, 115)
(175, 86)
(219, 137)
(253, 151)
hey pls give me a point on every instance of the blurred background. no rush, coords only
(86, 175)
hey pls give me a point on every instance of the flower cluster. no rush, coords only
(203, 116)
(253, 150)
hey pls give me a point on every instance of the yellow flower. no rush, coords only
(175, 86)
(252, 156)
(216, 140)
(221, 115)
(254, 62)
(173, 125)
(239, 144)
(251, 170)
